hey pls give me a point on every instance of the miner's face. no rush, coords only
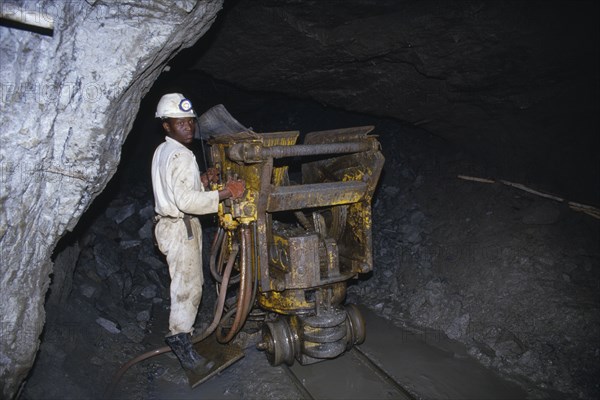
(180, 129)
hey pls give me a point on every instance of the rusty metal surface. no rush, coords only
(324, 335)
(222, 355)
(285, 302)
(264, 228)
(308, 239)
(217, 121)
(315, 195)
(355, 244)
(338, 135)
(252, 152)
(303, 261)
(338, 180)
(279, 342)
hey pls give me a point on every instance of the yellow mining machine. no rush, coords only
(284, 252)
(299, 234)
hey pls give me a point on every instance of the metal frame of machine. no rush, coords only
(295, 246)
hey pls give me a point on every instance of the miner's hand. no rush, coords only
(236, 188)
(210, 176)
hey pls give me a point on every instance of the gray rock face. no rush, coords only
(68, 101)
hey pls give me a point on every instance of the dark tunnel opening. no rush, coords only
(509, 275)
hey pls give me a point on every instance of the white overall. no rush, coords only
(179, 191)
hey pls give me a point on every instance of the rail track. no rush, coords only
(392, 363)
(352, 376)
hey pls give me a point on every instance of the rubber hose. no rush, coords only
(219, 242)
(246, 304)
(245, 287)
(214, 250)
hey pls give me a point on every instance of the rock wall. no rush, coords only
(69, 98)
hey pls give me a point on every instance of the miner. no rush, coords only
(180, 193)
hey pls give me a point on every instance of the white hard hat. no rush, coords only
(174, 105)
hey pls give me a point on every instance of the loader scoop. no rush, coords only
(217, 122)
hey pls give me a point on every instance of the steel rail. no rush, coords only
(306, 395)
(380, 372)
(379, 375)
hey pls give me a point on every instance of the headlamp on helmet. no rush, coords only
(174, 105)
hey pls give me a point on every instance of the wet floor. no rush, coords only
(350, 376)
(392, 363)
(431, 366)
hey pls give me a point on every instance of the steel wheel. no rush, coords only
(278, 342)
(355, 326)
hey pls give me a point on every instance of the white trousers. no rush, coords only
(184, 257)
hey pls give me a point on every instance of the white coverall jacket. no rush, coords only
(179, 191)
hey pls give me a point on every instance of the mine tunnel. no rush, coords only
(484, 220)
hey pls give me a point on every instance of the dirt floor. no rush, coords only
(512, 276)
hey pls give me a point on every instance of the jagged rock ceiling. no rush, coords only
(515, 83)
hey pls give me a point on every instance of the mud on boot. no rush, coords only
(182, 346)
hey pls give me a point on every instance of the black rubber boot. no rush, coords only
(182, 346)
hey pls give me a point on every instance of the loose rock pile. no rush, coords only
(120, 267)
(511, 275)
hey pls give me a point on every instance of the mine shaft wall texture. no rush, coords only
(513, 82)
(68, 102)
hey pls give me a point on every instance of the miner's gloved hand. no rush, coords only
(236, 188)
(210, 176)
(213, 175)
